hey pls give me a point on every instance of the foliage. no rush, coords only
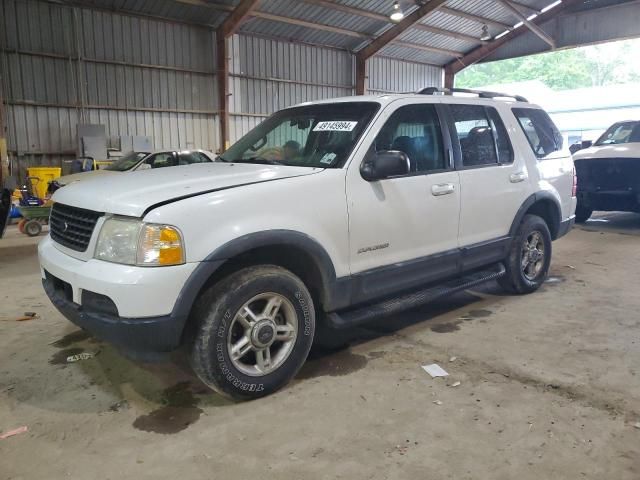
(597, 65)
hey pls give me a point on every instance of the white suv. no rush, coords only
(326, 215)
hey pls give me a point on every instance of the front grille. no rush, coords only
(602, 174)
(72, 227)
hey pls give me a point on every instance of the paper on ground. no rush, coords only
(11, 433)
(434, 370)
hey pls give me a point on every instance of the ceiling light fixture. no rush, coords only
(397, 13)
(486, 36)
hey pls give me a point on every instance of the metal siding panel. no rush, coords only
(387, 75)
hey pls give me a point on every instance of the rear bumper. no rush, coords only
(566, 226)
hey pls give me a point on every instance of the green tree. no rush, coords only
(596, 65)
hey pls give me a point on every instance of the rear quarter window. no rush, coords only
(542, 134)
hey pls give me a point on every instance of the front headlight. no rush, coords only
(133, 242)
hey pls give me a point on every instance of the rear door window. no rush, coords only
(187, 158)
(542, 134)
(482, 135)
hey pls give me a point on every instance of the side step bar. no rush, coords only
(351, 318)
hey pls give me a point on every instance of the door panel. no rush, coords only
(396, 221)
(494, 181)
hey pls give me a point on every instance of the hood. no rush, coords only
(622, 150)
(76, 177)
(132, 194)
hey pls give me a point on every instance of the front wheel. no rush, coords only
(254, 331)
(529, 256)
(582, 213)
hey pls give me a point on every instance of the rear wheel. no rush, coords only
(529, 257)
(254, 331)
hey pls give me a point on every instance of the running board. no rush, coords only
(352, 318)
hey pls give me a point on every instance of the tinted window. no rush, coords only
(626, 132)
(310, 136)
(505, 151)
(160, 160)
(415, 130)
(544, 137)
(187, 158)
(475, 134)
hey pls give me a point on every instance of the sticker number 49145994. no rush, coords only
(335, 126)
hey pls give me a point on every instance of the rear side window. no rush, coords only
(482, 135)
(544, 137)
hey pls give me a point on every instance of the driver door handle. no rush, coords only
(442, 189)
(517, 177)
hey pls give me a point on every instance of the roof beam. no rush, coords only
(447, 33)
(530, 25)
(390, 35)
(304, 23)
(475, 18)
(224, 31)
(236, 17)
(484, 51)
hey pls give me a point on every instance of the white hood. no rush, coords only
(135, 192)
(622, 150)
(82, 176)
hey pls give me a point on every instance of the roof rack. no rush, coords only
(479, 93)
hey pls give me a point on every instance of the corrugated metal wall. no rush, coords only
(387, 75)
(137, 76)
(268, 75)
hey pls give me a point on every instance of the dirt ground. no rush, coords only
(549, 388)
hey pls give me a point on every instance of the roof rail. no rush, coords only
(479, 93)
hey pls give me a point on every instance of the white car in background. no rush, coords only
(609, 172)
(135, 161)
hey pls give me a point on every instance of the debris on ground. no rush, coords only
(437, 402)
(435, 370)
(571, 267)
(26, 316)
(455, 384)
(121, 405)
(453, 359)
(15, 431)
(81, 356)
(637, 425)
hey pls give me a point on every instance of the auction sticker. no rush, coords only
(335, 126)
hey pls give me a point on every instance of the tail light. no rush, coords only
(574, 189)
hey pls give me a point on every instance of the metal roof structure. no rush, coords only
(450, 31)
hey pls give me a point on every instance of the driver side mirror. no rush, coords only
(385, 164)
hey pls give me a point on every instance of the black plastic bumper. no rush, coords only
(565, 227)
(143, 339)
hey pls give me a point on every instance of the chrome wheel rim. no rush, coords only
(262, 334)
(533, 255)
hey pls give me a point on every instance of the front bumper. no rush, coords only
(132, 307)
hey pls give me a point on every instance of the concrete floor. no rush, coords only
(549, 388)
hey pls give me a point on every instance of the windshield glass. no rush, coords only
(311, 136)
(626, 132)
(127, 162)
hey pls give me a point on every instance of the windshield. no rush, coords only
(312, 136)
(626, 132)
(127, 162)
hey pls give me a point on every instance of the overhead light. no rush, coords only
(486, 36)
(397, 13)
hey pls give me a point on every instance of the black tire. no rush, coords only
(516, 280)
(215, 314)
(582, 213)
(32, 228)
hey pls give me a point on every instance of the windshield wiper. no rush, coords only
(258, 160)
